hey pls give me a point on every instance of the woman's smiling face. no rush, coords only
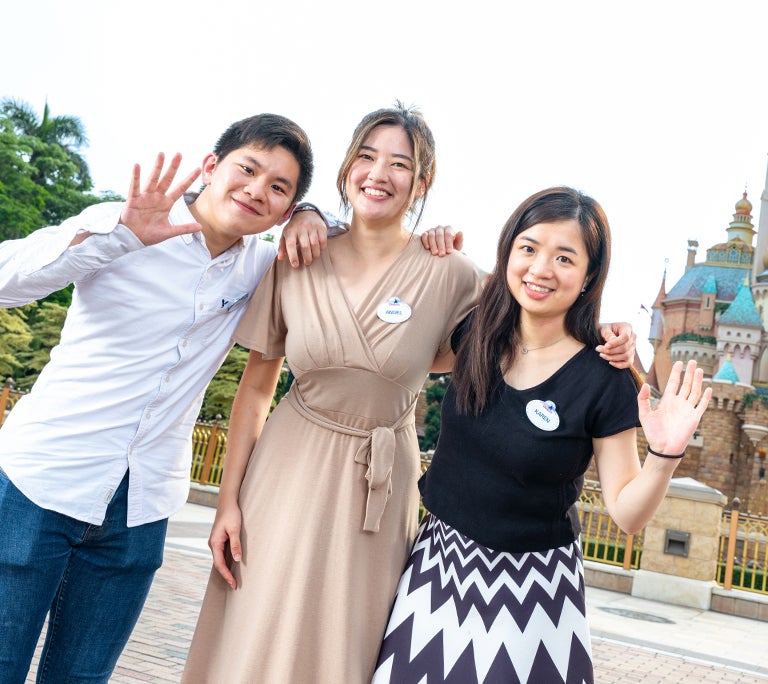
(380, 180)
(547, 267)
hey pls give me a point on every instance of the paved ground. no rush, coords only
(634, 640)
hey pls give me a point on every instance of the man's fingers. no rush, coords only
(281, 253)
(182, 186)
(134, 189)
(291, 250)
(167, 178)
(155, 173)
(310, 250)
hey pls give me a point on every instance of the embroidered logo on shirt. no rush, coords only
(543, 414)
(394, 310)
(230, 304)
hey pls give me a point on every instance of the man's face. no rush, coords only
(248, 191)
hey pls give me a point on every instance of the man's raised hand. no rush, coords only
(146, 209)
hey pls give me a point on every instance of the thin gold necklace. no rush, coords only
(525, 349)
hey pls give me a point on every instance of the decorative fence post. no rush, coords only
(5, 396)
(731, 552)
(210, 452)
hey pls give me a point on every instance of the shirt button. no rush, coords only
(167, 378)
(183, 343)
(148, 415)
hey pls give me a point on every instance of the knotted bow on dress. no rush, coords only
(377, 452)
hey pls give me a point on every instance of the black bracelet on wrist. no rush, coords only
(656, 453)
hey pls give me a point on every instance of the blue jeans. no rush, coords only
(91, 579)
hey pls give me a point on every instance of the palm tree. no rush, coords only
(66, 132)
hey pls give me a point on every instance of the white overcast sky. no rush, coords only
(657, 109)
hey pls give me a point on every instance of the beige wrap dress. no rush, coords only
(330, 499)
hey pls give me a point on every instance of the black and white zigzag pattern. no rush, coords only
(467, 614)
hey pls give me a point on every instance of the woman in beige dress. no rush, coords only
(317, 511)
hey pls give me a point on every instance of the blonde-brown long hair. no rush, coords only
(422, 141)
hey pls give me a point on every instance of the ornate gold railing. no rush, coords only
(743, 556)
(209, 444)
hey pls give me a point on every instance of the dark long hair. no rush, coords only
(494, 335)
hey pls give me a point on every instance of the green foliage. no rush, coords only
(750, 398)
(222, 388)
(43, 178)
(62, 297)
(66, 133)
(693, 337)
(22, 201)
(15, 337)
(45, 320)
(435, 391)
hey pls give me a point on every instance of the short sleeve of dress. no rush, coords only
(462, 291)
(262, 327)
(614, 408)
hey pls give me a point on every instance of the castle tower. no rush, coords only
(741, 227)
(687, 324)
(740, 332)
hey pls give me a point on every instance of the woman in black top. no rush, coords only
(494, 588)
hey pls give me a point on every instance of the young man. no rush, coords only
(96, 458)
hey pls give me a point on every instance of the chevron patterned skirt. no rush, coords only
(466, 614)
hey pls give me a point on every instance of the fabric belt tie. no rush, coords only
(377, 452)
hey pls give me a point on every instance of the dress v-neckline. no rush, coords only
(359, 312)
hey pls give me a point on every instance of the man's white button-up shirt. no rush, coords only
(147, 329)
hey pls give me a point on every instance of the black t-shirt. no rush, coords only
(509, 478)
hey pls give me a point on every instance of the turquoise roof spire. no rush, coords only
(727, 372)
(710, 286)
(742, 312)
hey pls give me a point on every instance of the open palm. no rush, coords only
(671, 423)
(146, 209)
